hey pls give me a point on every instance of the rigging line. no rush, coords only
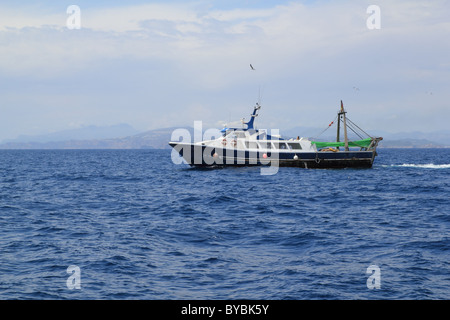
(350, 125)
(332, 122)
(351, 128)
(359, 128)
(354, 126)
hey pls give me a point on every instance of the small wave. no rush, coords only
(222, 199)
(423, 166)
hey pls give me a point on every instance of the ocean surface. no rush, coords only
(134, 225)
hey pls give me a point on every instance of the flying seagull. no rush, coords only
(252, 67)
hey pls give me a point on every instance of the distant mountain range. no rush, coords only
(124, 136)
(153, 139)
(83, 133)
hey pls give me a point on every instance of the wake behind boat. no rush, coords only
(247, 146)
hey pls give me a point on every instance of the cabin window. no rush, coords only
(294, 145)
(251, 145)
(279, 145)
(265, 145)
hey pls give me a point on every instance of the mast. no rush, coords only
(341, 114)
(252, 117)
(338, 137)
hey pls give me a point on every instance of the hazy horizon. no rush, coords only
(124, 130)
(166, 64)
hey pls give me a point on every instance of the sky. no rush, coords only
(157, 64)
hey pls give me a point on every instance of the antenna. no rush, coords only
(259, 95)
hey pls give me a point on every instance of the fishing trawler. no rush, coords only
(246, 145)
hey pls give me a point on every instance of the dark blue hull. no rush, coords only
(200, 155)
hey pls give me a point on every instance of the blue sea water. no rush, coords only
(141, 227)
